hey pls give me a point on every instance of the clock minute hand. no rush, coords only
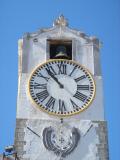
(51, 74)
(33, 132)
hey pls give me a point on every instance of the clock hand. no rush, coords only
(33, 132)
(51, 74)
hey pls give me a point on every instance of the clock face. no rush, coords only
(61, 87)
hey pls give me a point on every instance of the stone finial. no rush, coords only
(60, 21)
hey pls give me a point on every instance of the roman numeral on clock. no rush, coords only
(40, 75)
(75, 106)
(38, 86)
(42, 95)
(82, 97)
(80, 78)
(73, 70)
(50, 69)
(83, 87)
(61, 106)
(62, 68)
(50, 103)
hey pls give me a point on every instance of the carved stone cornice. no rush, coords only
(60, 26)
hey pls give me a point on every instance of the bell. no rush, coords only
(61, 53)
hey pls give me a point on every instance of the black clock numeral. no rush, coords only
(73, 70)
(40, 75)
(80, 96)
(61, 106)
(38, 86)
(42, 95)
(80, 78)
(83, 87)
(75, 106)
(50, 69)
(50, 103)
(62, 68)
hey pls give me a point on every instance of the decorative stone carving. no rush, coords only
(60, 21)
(59, 141)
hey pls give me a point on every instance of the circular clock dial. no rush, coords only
(61, 87)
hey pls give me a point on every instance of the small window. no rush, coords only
(60, 49)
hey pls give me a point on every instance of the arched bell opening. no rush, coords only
(60, 49)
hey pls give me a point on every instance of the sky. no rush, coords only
(99, 18)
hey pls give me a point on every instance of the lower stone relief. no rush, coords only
(59, 141)
(66, 140)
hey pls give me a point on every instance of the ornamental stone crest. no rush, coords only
(62, 140)
(60, 21)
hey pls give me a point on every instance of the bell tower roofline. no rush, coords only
(61, 25)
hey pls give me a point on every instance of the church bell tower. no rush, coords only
(60, 111)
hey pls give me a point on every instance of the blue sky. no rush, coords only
(95, 17)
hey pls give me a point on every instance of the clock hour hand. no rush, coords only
(51, 74)
(33, 132)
